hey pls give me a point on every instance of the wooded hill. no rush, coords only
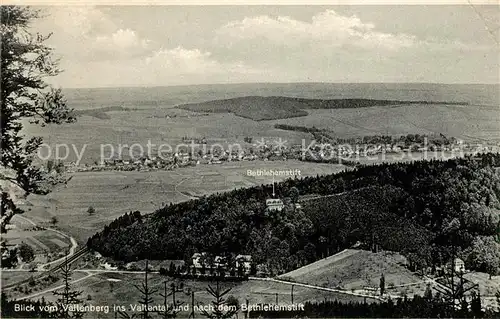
(261, 108)
(427, 210)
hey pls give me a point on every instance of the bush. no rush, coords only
(26, 253)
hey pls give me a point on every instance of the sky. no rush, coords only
(112, 46)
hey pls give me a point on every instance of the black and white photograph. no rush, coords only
(269, 160)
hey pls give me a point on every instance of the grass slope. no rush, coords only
(359, 269)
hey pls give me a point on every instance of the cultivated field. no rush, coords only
(47, 244)
(15, 276)
(466, 122)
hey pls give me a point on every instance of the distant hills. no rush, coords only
(260, 108)
(101, 113)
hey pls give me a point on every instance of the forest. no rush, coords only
(430, 211)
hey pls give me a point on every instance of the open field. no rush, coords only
(359, 269)
(487, 287)
(261, 108)
(474, 123)
(42, 286)
(113, 193)
(15, 276)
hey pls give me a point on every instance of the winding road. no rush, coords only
(72, 249)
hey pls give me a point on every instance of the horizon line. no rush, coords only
(263, 83)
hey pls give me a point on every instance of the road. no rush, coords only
(182, 193)
(358, 293)
(72, 249)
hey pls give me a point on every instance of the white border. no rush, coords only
(251, 2)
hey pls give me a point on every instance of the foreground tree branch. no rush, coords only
(26, 63)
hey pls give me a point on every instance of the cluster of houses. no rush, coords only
(203, 261)
(333, 151)
(267, 151)
(174, 160)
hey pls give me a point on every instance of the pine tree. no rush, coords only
(382, 285)
(146, 294)
(25, 95)
(454, 287)
(171, 309)
(428, 293)
(68, 297)
(218, 304)
(475, 305)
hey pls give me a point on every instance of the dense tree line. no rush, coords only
(324, 135)
(296, 128)
(416, 307)
(422, 209)
(402, 140)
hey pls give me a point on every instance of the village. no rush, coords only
(278, 151)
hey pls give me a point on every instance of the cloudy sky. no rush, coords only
(177, 45)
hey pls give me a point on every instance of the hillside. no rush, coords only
(358, 269)
(261, 108)
(425, 210)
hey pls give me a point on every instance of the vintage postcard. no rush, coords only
(267, 160)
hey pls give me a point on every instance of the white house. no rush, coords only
(198, 258)
(459, 265)
(245, 261)
(220, 262)
(274, 204)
